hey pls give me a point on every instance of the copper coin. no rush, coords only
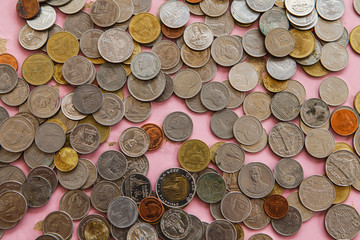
(172, 32)
(156, 135)
(9, 59)
(344, 122)
(27, 8)
(276, 206)
(193, 1)
(151, 209)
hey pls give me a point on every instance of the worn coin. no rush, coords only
(174, 14)
(168, 54)
(257, 104)
(72, 25)
(58, 222)
(142, 230)
(89, 42)
(210, 187)
(215, 96)
(8, 78)
(198, 36)
(242, 13)
(44, 20)
(112, 110)
(243, 77)
(279, 42)
(313, 58)
(355, 39)
(75, 75)
(122, 212)
(226, 50)
(257, 218)
(134, 141)
(315, 112)
(195, 104)
(75, 178)
(72, 7)
(285, 106)
(296, 88)
(13, 205)
(214, 8)
(300, 9)
(137, 165)
(87, 99)
(236, 97)
(235, 207)
(288, 225)
(61, 46)
(247, 130)
(11, 173)
(112, 49)
(221, 25)
(68, 109)
(27, 9)
(294, 201)
(273, 85)
(194, 155)
(135, 110)
(281, 68)
(30, 71)
(329, 31)
(175, 224)
(260, 236)
(76, 203)
(137, 187)
(97, 230)
(257, 147)
(31, 39)
(144, 28)
(111, 77)
(50, 137)
(18, 95)
(101, 223)
(145, 65)
(288, 173)
(3, 114)
(102, 194)
(177, 126)
(271, 20)
(34, 157)
(254, 43)
(37, 191)
(304, 43)
(194, 58)
(330, 10)
(85, 138)
(260, 6)
(221, 229)
(47, 173)
(92, 173)
(8, 157)
(126, 10)
(215, 210)
(319, 143)
(328, 59)
(230, 157)
(222, 122)
(276, 206)
(111, 165)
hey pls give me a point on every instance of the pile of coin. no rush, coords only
(52, 131)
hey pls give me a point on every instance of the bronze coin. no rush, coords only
(276, 206)
(172, 32)
(12, 206)
(27, 8)
(58, 222)
(10, 186)
(9, 59)
(76, 203)
(151, 209)
(156, 135)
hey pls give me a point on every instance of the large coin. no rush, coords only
(122, 212)
(288, 173)
(198, 36)
(58, 222)
(247, 130)
(289, 224)
(87, 99)
(85, 138)
(144, 28)
(145, 65)
(104, 13)
(134, 141)
(30, 70)
(112, 110)
(210, 187)
(102, 194)
(37, 191)
(13, 205)
(230, 157)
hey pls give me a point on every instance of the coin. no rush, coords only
(11, 173)
(334, 91)
(175, 187)
(102, 194)
(242, 13)
(174, 14)
(177, 126)
(110, 49)
(8, 157)
(156, 135)
(198, 36)
(274, 85)
(329, 31)
(222, 46)
(315, 70)
(215, 210)
(71, 23)
(61, 46)
(319, 137)
(169, 88)
(224, 20)
(279, 48)
(210, 187)
(100, 224)
(68, 109)
(122, 212)
(235, 207)
(103, 130)
(276, 206)
(222, 122)
(243, 77)
(260, 236)
(330, 10)
(303, 10)
(304, 43)
(112, 110)
(151, 209)
(344, 121)
(145, 229)
(104, 13)
(27, 9)
(97, 229)
(144, 28)
(111, 77)
(15, 204)
(313, 58)
(327, 59)
(30, 70)
(135, 110)
(3, 114)
(36, 190)
(7, 58)
(136, 186)
(72, 7)
(134, 141)
(215, 96)
(315, 112)
(193, 58)
(75, 178)
(281, 68)
(66, 159)
(250, 134)
(77, 77)
(253, 43)
(58, 222)
(87, 99)
(145, 65)
(294, 201)
(45, 19)
(293, 223)
(18, 95)
(229, 157)
(285, 106)
(111, 165)
(221, 229)
(342, 193)
(257, 218)
(76, 203)
(271, 20)
(47, 173)
(288, 173)
(355, 39)
(164, 49)
(257, 104)
(137, 165)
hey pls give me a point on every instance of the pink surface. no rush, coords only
(166, 156)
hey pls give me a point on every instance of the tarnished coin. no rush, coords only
(281, 68)
(256, 180)
(34, 157)
(151, 209)
(72, 25)
(285, 106)
(111, 165)
(210, 187)
(112, 110)
(104, 13)
(137, 187)
(242, 13)
(27, 9)
(102, 194)
(122, 212)
(50, 137)
(330, 10)
(92, 176)
(174, 14)
(177, 126)
(76, 203)
(214, 8)
(215, 96)
(288, 173)
(247, 130)
(235, 207)
(115, 45)
(135, 110)
(61, 46)
(169, 88)
(47, 173)
(58, 222)
(319, 143)
(195, 104)
(68, 109)
(13, 205)
(315, 188)
(294, 201)
(175, 187)
(222, 122)
(75, 75)
(30, 71)
(254, 43)
(344, 120)
(300, 9)
(37, 191)
(18, 95)
(44, 20)
(72, 7)
(142, 230)
(276, 206)
(260, 6)
(327, 59)
(230, 157)
(355, 39)
(93, 225)
(134, 141)
(260, 236)
(329, 31)
(279, 42)
(225, 20)
(194, 155)
(144, 27)
(198, 36)
(145, 65)
(9, 157)
(175, 224)
(226, 50)
(257, 218)
(221, 229)
(193, 58)
(243, 77)
(31, 39)
(87, 99)
(85, 138)
(187, 83)
(257, 104)
(315, 112)
(168, 54)
(288, 225)
(215, 210)
(11, 173)
(75, 178)
(271, 20)
(3, 114)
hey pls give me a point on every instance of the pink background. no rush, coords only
(166, 156)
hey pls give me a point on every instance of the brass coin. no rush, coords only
(194, 155)
(103, 130)
(316, 70)
(273, 85)
(66, 159)
(341, 194)
(59, 122)
(97, 230)
(59, 78)
(127, 69)
(342, 146)
(137, 49)
(213, 150)
(304, 43)
(119, 93)
(97, 61)
(61, 46)
(37, 69)
(357, 102)
(144, 28)
(355, 39)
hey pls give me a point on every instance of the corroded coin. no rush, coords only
(175, 187)
(66, 159)
(137, 187)
(30, 70)
(319, 143)
(175, 224)
(58, 222)
(198, 36)
(134, 141)
(334, 91)
(230, 157)
(75, 178)
(102, 194)
(257, 104)
(47, 173)
(156, 135)
(27, 9)
(256, 180)
(243, 77)
(61, 46)
(145, 65)
(288, 173)
(247, 130)
(288, 225)
(111, 165)
(76, 203)
(257, 218)
(112, 110)
(221, 229)
(151, 209)
(177, 126)
(276, 206)
(122, 212)
(285, 106)
(235, 207)
(13, 206)
(36, 190)
(210, 187)
(315, 112)
(45, 19)
(144, 27)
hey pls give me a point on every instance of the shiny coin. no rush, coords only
(285, 106)
(194, 155)
(76, 203)
(44, 20)
(300, 9)
(257, 218)
(327, 59)
(122, 212)
(156, 135)
(330, 10)
(145, 65)
(329, 31)
(175, 224)
(210, 187)
(174, 14)
(198, 36)
(214, 8)
(85, 138)
(58, 222)
(230, 157)
(342, 193)
(93, 225)
(273, 85)
(134, 142)
(247, 130)
(315, 112)
(102, 194)
(66, 159)
(288, 173)
(144, 27)
(315, 70)
(344, 121)
(61, 46)
(276, 206)
(288, 225)
(355, 39)
(235, 213)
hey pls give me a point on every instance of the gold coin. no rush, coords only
(194, 155)
(119, 93)
(260, 66)
(213, 150)
(240, 235)
(58, 122)
(357, 102)
(98, 61)
(277, 190)
(137, 50)
(66, 159)
(61, 46)
(341, 194)
(96, 230)
(342, 146)
(59, 78)
(273, 85)
(244, 25)
(304, 43)
(144, 28)
(355, 39)
(103, 130)
(37, 69)
(127, 69)
(316, 70)
(175, 187)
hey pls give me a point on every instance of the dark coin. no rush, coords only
(111, 76)
(137, 111)
(119, 233)
(88, 219)
(257, 218)
(8, 78)
(34, 157)
(175, 224)
(3, 114)
(11, 173)
(76, 203)
(102, 194)
(47, 237)
(8, 157)
(196, 229)
(92, 173)
(177, 126)
(230, 157)
(75, 178)
(175, 187)
(58, 222)
(315, 112)
(168, 91)
(276, 206)
(13, 206)
(221, 229)
(210, 187)
(37, 191)
(7, 225)
(215, 210)
(288, 225)
(122, 212)
(87, 99)
(222, 123)
(50, 137)
(27, 9)
(111, 165)
(47, 173)
(10, 186)
(151, 209)
(288, 173)
(137, 187)
(85, 138)
(235, 207)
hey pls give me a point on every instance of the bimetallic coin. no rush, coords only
(198, 36)
(58, 222)
(230, 157)
(210, 187)
(288, 225)
(145, 65)
(102, 194)
(122, 212)
(177, 126)
(44, 20)
(85, 138)
(221, 229)
(285, 106)
(288, 173)
(257, 218)
(75, 178)
(175, 224)
(76, 203)
(315, 112)
(15, 205)
(134, 141)
(247, 130)
(36, 190)
(235, 207)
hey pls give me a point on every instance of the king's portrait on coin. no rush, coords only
(256, 185)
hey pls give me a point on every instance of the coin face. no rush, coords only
(293, 220)
(257, 104)
(75, 178)
(87, 99)
(61, 46)
(122, 212)
(45, 19)
(235, 207)
(327, 57)
(277, 47)
(14, 206)
(257, 218)
(315, 112)
(222, 122)
(230, 157)
(177, 126)
(27, 9)
(271, 20)
(58, 222)
(198, 36)
(151, 209)
(243, 77)
(276, 206)
(330, 10)
(221, 48)
(47, 173)
(112, 110)
(99, 223)
(145, 65)
(144, 27)
(145, 229)
(221, 229)
(250, 134)
(102, 194)
(214, 8)
(134, 142)
(170, 224)
(285, 106)
(242, 13)
(215, 96)
(174, 14)
(210, 187)
(288, 173)
(76, 203)
(31, 66)
(66, 159)
(300, 8)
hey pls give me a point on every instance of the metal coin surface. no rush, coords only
(273, 85)
(61, 46)
(135, 110)
(193, 58)
(288, 173)
(344, 120)
(300, 9)
(8, 157)
(134, 142)
(313, 58)
(72, 25)
(187, 83)
(221, 229)
(194, 155)
(72, 7)
(197, 230)
(243, 77)
(156, 135)
(87, 99)
(315, 112)
(304, 43)
(112, 110)
(215, 96)
(75, 75)
(151, 209)
(137, 187)
(50, 137)
(168, 53)
(257, 104)
(224, 20)
(285, 106)
(174, 14)
(242, 13)
(334, 91)
(8, 78)
(316, 193)
(85, 138)
(92, 176)
(169, 87)
(145, 65)
(177, 126)
(75, 178)
(37, 191)
(3, 114)
(18, 95)
(97, 218)
(330, 10)
(30, 70)
(122, 212)
(247, 130)
(11, 173)
(276, 206)
(102, 194)
(137, 165)
(175, 224)
(58, 222)
(14, 206)
(257, 147)
(145, 28)
(281, 68)
(288, 225)
(329, 31)
(236, 97)
(271, 20)
(215, 210)
(47, 173)
(327, 59)
(198, 36)
(27, 9)
(76, 203)
(111, 77)
(222, 122)
(256, 180)
(319, 143)
(235, 207)
(104, 13)
(214, 8)
(254, 43)
(257, 218)
(44, 20)
(195, 104)
(142, 230)
(97, 230)
(210, 187)
(56, 3)
(226, 50)
(260, 236)
(277, 47)
(111, 165)
(230, 157)
(66, 159)
(260, 6)
(44, 101)
(294, 201)
(175, 187)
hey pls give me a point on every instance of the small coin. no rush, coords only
(226, 50)
(75, 178)
(306, 7)
(87, 99)
(144, 228)
(294, 201)
(97, 229)
(276, 206)
(285, 106)
(281, 68)
(327, 57)
(288, 225)
(86, 222)
(58, 222)
(151, 209)
(174, 14)
(103, 130)
(76, 203)
(210, 187)
(144, 27)
(344, 121)
(170, 221)
(102, 194)
(273, 19)
(122, 212)
(288, 173)
(36, 190)
(257, 104)
(254, 43)
(34, 157)
(45, 19)
(134, 141)
(257, 218)
(66, 159)
(194, 155)
(61, 46)
(247, 130)
(135, 110)
(235, 213)
(243, 77)
(177, 126)
(75, 76)
(30, 69)
(230, 157)
(242, 13)
(8, 157)
(145, 65)
(225, 20)
(315, 112)
(220, 228)
(9, 59)
(27, 9)
(215, 96)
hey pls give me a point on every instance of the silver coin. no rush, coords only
(315, 113)
(254, 43)
(215, 96)
(9, 157)
(135, 110)
(8, 78)
(222, 122)
(111, 76)
(261, 236)
(175, 224)
(74, 179)
(146, 91)
(298, 8)
(68, 109)
(334, 91)
(175, 69)
(194, 8)
(174, 14)
(286, 139)
(102, 194)
(112, 110)
(104, 13)
(257, 104)
(72, 7)
(294, 201)
(329, 31)
(221, 229)
(141, 6)
(85, 138)
(338, 168)
(308, 27)
(330, 10)
(34, 157)
(260, 5)
(142, 230)
(44, 20)
(313, 58)
(195, 104)
(187, 83)
(214, 8)
(92, 173)
(122, 212)
(169, 89)
(288, 173)
(36, 190)
(256, 180)
(50, 137)
(134, 142)
(198, 36)
(236, 97)
(273, 19)
(288, 225)
(306, 129)
(72, 25)
(356, 5)
(3, 114)
(316, 193)
(257, 147)
(242, 13)
(319, 143)
(285, 106)
(334, 56)
(168, 54)
(296, 88)
(75, 75)
(138, 165)
(229, 157)
(111, 165)
(44, 101)
(247, 130)
(197, 229)
(31, 39)
(193, 58)
(235, 213)
(303, 21)
(208, 71)
(281, 68)
(222, 25)
(215, 210)
(145, 65)
(257, 218)
(339, 222)
(126, 10)
(57, 3)
(343, 40)
(87, 99)
(226, 50)
(177, 126)
(243, 77)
